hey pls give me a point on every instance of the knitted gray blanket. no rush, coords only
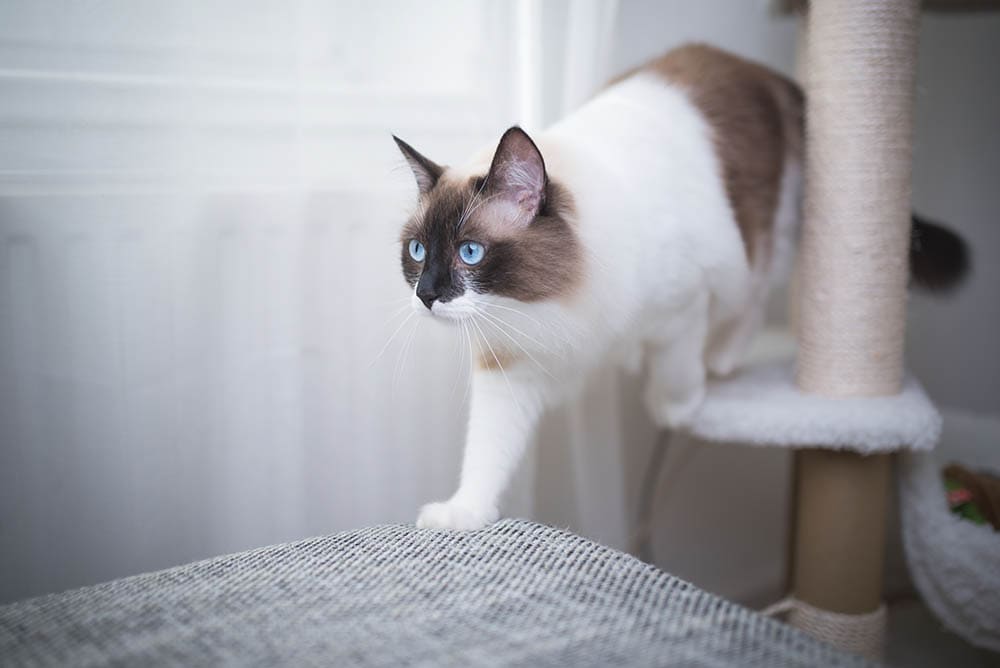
(515, 594)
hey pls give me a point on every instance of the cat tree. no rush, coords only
(847, 402)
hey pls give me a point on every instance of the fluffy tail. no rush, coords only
(939, 258)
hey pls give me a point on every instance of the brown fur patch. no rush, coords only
(757, 118)
(503, 360)
(542, 261)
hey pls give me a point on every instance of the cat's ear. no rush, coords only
(517, 175)
(425, 170)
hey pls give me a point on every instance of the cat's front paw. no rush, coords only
(673, 413)
(455, 515)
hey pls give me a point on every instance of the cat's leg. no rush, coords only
(730, 343)
(503, 415)
(676, 384)
(729, 348)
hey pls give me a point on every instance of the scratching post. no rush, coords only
(860, 82)
(846, 404)
(860, 74)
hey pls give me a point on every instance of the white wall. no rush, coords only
(954, 342)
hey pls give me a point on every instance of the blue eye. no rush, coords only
(471, 252)
(417, 250)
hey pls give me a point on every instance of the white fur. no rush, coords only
(730, 340)
(459, 308)
(666, 272)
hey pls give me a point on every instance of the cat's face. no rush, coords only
(503, 234)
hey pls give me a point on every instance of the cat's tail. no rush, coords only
(939, 258)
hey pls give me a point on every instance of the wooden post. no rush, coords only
(840, 530)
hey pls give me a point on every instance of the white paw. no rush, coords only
(674, 414)
(631, 359)
(723, 363)
(455, 515)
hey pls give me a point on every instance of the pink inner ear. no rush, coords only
(517, 176)
(506, 214)
(528, 201)
(522, 182)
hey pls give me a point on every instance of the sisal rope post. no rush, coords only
(860, 84)
(860, 60)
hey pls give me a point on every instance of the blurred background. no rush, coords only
(201, 347)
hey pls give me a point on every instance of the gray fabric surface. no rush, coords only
(516, 593)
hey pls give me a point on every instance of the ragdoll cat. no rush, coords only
(649, 224)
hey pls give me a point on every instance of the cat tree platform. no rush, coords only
(762, 405)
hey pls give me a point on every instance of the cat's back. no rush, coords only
(755, 120)
(697, 154)
(736, 96)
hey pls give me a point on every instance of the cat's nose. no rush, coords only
(426, 293)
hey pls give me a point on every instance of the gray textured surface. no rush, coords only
(516, 593)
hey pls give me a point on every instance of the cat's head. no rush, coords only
(505, 232)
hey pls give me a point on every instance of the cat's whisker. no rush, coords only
(475, 203)
(399, 357)
(401, 310)
(390, 339)
(404, 354)
(466, 211)
(551, 325)
(559, 338)
(502, 370)
(395, 366)
(517, 311)
(473, 336)
(397, 300)
(468, 367)
(461, 359)
(497, 326)
(481, 202)
(536, 341)
(494, 317)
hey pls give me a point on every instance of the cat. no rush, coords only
(649, 225)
